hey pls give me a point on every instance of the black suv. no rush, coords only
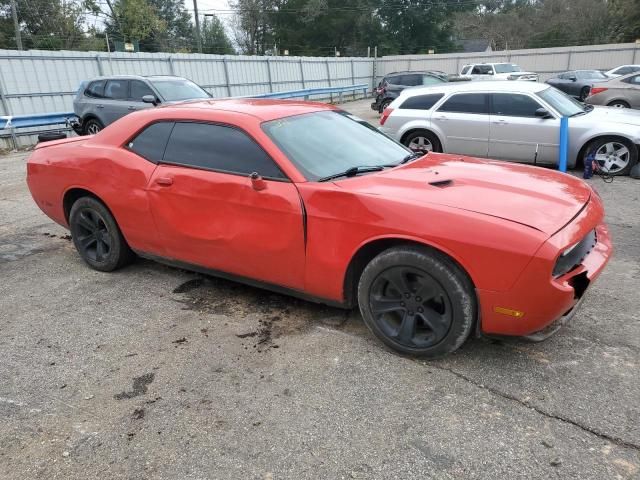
(393, 83)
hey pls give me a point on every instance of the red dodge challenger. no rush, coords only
(306, 199)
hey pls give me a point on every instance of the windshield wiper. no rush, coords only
(587, 109)
(411, 156)
(353, 171)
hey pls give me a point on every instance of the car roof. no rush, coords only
(510, 86)
(135, 77)
(419, 72)
(261, 108)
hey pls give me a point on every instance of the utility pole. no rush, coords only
(198, 37)
(16, 24)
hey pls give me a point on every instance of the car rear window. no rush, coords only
(466, 103)
(421, 102)
(95, 89)
(152, 141)
(220, 148)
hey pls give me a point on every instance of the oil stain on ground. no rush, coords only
(280, 314)
(140, 387)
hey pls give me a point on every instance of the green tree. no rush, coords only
(214, 36)
(178, 34)
(129, 20)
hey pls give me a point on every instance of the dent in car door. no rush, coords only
(219, 220)
(516, 132)
(463, 119)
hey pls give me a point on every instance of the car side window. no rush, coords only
(220, 148)
(421, 102)
(430, 80)
(394, 80)
(139, 89)
(623, 70)
(482, 70)
(151, 142)
(466, 103)
(116, 89)
(466, 70)
(635, 80)
(95, 89)
(513, 105)
(411, 80)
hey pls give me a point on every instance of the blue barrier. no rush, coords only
(307, 92)
(564, 143)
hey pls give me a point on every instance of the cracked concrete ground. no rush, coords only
(158, 373)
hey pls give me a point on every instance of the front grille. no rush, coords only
(571, 260)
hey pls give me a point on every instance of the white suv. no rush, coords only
(497, 71)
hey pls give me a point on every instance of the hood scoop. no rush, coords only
(441, 183)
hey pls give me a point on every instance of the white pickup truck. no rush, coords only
(497, 71)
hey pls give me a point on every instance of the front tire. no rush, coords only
(417, 301)
(614, 155)
(97, 237)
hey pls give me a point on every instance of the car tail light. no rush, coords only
(595, 90)
(385, 114)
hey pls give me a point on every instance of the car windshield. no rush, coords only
(506, 68)
(564, 104)
(326, 143)
(176, 89)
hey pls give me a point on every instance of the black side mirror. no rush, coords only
(150, 99)
(543, 113)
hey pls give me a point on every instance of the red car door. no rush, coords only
(211, 213)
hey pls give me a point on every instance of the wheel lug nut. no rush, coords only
(407, 295)
(420, 309)
(402, 304)
(418, 299)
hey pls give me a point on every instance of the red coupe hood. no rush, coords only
(539, 198)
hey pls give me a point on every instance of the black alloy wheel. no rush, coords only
(417, 301)
(97, 237)
(410, 306)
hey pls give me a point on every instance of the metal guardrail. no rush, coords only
(12, 123)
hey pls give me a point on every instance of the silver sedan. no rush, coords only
(513, 121)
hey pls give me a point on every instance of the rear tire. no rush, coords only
(97, 237)
(384, 104)
(417, 301)
(92, 126)
(614, 155)
(584, 93)
(618, 104)
(422, 141)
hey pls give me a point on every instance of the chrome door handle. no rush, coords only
(131, 108)
(442, 118)
(100, 106)
(500, 122)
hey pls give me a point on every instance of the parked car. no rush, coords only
(393, 83)
(514, 121)
(104, 100)
(622, 70)
(577, 83)
(302, 198)
(497, 71)
(620, 92)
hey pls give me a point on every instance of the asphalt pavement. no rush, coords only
(157, 373)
